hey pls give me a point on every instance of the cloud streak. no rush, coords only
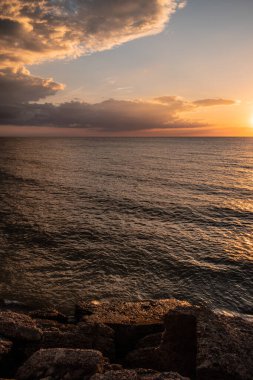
(110, 116)
(214, 102)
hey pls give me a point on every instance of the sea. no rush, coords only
(127, 218)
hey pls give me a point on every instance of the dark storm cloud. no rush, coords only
(108, 116)
(18, 86)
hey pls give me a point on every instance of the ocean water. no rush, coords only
(131, 218)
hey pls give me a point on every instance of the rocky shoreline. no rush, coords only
(146, 340)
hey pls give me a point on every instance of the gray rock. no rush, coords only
(60, 363)
(18, 326)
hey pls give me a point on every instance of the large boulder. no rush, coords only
(82, 336)
(198, 342)
(60, 363)
(177, 348)
(225, 347)
(122, 312)
(131, 321)
(18, 326)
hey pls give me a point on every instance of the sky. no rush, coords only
(126, 68)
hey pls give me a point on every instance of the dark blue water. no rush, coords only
(132, 218)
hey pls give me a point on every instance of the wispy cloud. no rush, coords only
(214, 102)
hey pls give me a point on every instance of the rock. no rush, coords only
(131, 321)
(225, 347)
(116, 375)
(121, 312)
(50, 314)
(18, 326)
(147, 374)
(177, 350)
(59, 363)
(5, 350)
(113, 367)
(127, 336)
(138, 374)
(143, 358)
(5, 347)
(14, 305)
(152, 340)
(83, 336)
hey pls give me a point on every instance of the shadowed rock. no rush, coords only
(5, 347)
(177, 349)
(138, 374)
(59, 363)
(152, 340)
(225, 347)
(18, 326)
(83, 336)
(191, 341)
(127, 336)
(50, 314)
(131, 321)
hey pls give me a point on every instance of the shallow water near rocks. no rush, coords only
(128, 218)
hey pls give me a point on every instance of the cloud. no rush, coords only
(167, 112)
(187, 105)
(108, 116)
(214, 102)
(18, 86)
(32, 31)
(39, 30)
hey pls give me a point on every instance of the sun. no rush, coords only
(251, 121)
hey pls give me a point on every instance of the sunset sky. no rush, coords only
(126, 68)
